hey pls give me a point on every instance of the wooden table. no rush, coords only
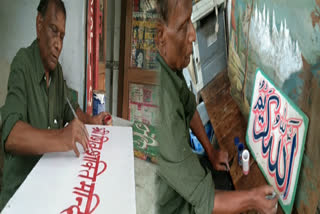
(228, 123)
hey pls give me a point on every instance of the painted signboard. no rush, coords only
(99, 181)
(276, 136)
(145, 141)
(143, 104)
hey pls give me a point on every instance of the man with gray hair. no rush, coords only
(184, 185)
(36, 109)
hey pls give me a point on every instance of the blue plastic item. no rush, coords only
(195, 143)
(236, 141)
(240, 150)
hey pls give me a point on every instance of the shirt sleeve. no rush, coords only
(179, 167)
(0, 122)
(188, 100)
(15, 107)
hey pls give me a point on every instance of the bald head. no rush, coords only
(43, 6)
(165, 8)
(175, 32)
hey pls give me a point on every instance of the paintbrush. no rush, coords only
(76, 116)
(272, 196)
(73, 112)
(230, 163)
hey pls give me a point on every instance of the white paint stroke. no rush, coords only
(275, 49)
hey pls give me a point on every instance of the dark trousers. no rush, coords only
(222, 179)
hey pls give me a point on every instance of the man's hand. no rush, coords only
(101, 119)
(245, 200)
(219, 160)
(73, 133)
(264, 205)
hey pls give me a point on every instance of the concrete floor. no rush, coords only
(145, 174)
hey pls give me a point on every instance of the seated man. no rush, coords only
(36, 108)
(184, 185)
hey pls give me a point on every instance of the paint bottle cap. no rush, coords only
(240, 147)
(236, 141)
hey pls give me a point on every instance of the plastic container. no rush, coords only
(245, 162)
(240, 150)
(195, 143)
(99, 100)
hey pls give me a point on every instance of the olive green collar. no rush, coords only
(175, 75)
(39, 63)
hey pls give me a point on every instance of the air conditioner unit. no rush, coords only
(210, 47)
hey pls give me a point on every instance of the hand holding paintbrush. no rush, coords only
(78, 133)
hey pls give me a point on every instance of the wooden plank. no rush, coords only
(227, 142)
(222, 98)
(222, 111)
(102, 82)
(127, 57)
(102, 67)
(145, 77)
(219, 83)
(102, 76)
(228, 123)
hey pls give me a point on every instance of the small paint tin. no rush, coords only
(240, 150)
(245, 161)
(99, 102)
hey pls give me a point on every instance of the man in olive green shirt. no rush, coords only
(36, 108)
(185, 186)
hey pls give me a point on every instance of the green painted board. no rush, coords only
(145, 141)
(276, 136)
